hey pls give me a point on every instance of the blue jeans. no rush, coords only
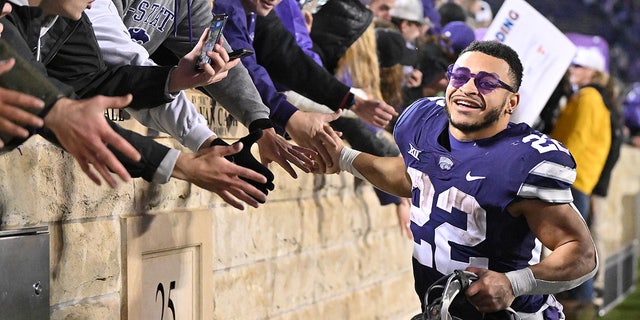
(583, 292)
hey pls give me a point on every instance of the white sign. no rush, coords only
(545, 52)
(170, 284)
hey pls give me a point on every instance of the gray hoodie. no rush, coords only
(151, 24)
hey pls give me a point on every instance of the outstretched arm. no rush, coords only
(308, 78)
(14, 108)
(274, 148)
(79, 126)
(208, 169)
(388, 174)
(83, 131)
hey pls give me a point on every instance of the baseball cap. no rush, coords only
(589, 57)
(392, 49)
(460, 35)
(411, 10)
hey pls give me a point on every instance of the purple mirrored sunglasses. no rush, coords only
(485, 82)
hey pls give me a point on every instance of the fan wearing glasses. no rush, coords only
(483, 190)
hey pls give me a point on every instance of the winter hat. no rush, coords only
(460, 35)
(451, 11)
(411, 10)
(392, 49)
(589, 57)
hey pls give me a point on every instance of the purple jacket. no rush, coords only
(239, 32)
(289, 13)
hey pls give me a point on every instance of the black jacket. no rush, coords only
(336, 26)
(278, 52)
(73, 63)
(617, 139)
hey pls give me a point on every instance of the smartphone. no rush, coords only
(240, 53)
(215, 32)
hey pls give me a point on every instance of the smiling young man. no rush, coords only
(486, 193)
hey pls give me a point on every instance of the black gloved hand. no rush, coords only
(244, 158)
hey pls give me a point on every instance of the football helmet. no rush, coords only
(445, 300)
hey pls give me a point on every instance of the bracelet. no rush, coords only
(347, 156)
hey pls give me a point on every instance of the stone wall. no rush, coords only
(615, 220)
(321, 248)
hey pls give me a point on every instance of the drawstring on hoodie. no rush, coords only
(176, 8)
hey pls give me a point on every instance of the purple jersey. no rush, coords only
(459, 200)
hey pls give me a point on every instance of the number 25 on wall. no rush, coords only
(170, 305)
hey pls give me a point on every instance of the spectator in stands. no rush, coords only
(408, 16)
(287, 56)
(207, 169)
(584, 127)
(435, 54)
(631, 114)
(382, 8)
(346, 41)
(451, 11)
(116, 24)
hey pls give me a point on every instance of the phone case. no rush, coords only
(215, 33)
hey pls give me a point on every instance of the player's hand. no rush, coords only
(13, 108)
(332, 147)
(377, 113)
(245, 159)
(185, 76)
(210, 170)
(83, 131)
(274, 148)
(491, 292)
(307, 130)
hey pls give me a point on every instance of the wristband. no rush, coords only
(347, 156)
(348, 101)
(522, 281)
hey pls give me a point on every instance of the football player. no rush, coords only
(486, 194)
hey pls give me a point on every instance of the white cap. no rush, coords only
(589, 57)
(411, 10)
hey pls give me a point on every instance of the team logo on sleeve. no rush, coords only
(139, 35)
(414, 152)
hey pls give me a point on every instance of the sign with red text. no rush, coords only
(545, 52)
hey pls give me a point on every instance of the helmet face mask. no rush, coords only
(445, 300)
